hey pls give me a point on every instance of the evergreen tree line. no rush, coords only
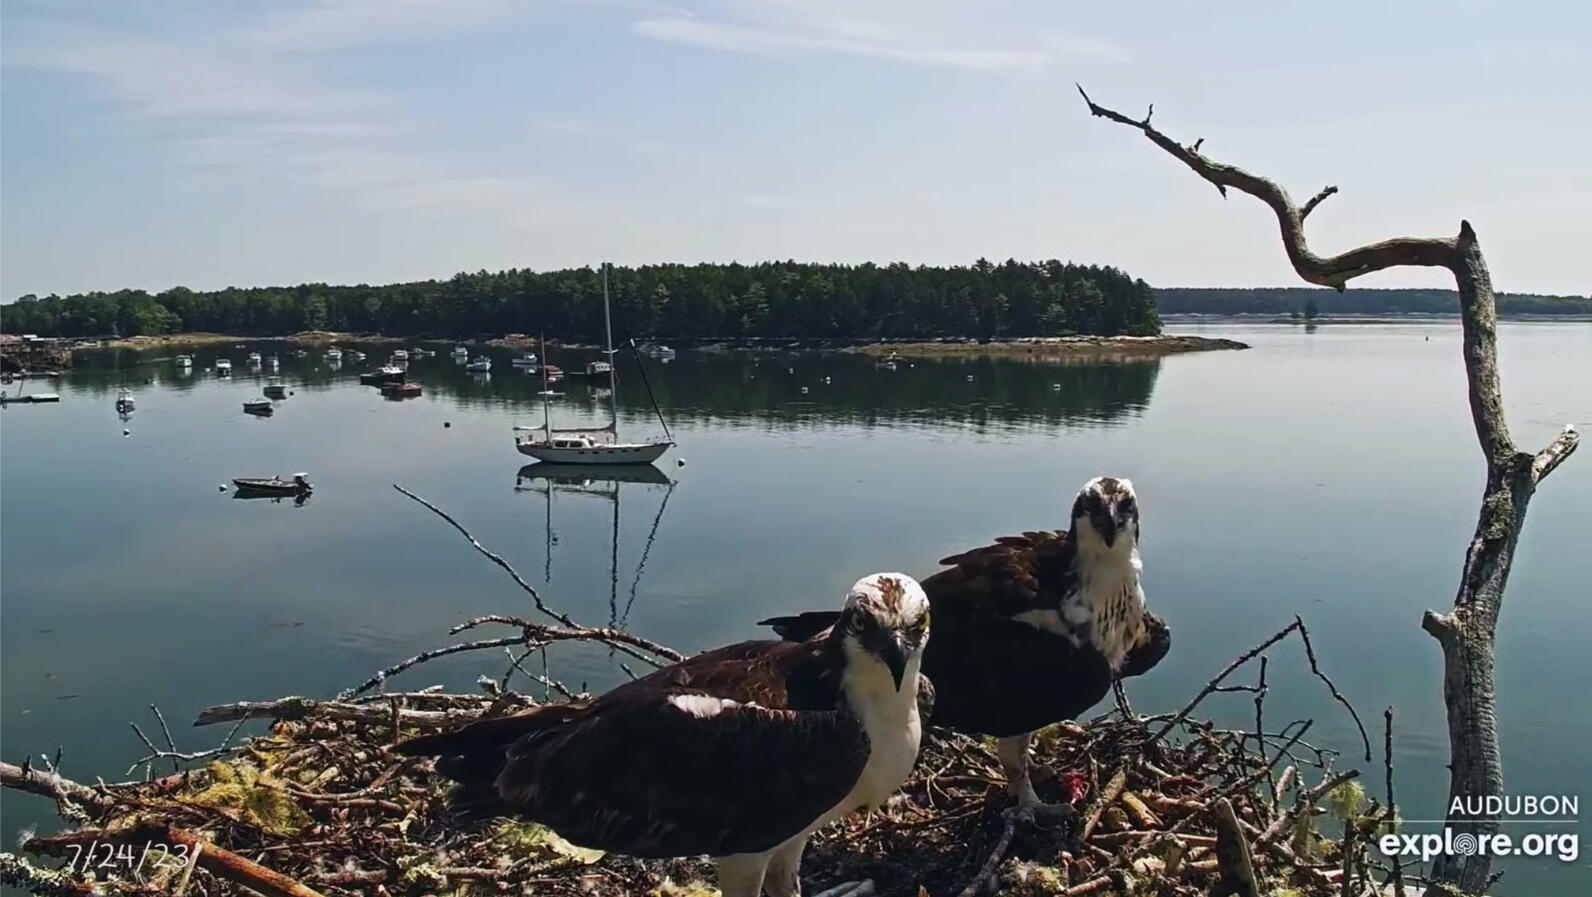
(1288, 300)
(705, 301)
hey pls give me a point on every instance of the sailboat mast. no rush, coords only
(547, 406)
(608, 345)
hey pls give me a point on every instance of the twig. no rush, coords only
(1310, 655)
(216, 860)
(1232, 855)
(1210, 686)
(1397, 875)
(992, 862)
(536, 597)
(300, 708)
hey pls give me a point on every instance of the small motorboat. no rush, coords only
(479, 363)
(356, 356)
(528, 360)
(660, 351)
(223, 367)
(276, 388)
(274, 364)
(184, 361)
(260, 407)
(299, 485)
(254, 359)
(334, 354)
(400, 390)
(124, 401)
(400, 354)
(460, 352)
(554, 372)
(598, 368)
(389, 373)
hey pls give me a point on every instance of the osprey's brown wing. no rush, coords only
(1032, 571)
(661, 771)
(993, 673)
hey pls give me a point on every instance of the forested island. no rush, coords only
(1297, 300)
(704, 301)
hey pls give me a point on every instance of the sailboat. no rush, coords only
(589, 445)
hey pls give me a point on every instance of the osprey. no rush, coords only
(740, 752)
(1033, 629)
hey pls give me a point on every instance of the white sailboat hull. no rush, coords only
(615, 453)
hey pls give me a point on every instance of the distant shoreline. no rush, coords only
(1040, 348)
(1028, 347)
(1379, 318)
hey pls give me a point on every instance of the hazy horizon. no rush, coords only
(357, 141)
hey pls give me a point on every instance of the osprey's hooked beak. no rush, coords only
(893, 651)
(1105, 523)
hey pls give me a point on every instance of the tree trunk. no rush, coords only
(1466, 633)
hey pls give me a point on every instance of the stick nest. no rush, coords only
(321, 800)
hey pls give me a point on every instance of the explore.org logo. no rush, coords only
(1524, 810)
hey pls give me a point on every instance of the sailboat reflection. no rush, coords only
(602, 481)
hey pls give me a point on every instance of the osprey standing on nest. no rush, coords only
(1033, 629)
(740, 752)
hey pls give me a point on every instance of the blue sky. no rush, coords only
(276, 141)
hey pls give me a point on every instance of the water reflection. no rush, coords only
(786, 389)
(602, 482)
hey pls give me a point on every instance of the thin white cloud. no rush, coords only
(853, 41)
(335, 24)
(234, 108)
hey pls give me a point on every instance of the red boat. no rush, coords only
(403, 390)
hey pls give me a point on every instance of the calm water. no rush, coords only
(1331, 474)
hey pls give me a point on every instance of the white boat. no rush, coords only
(273, 363)
(660, 351)
(356, 356)
(224, 367)
(589, 445)
(185, 361)
(334, 354)
(124, 400)
(478, 364)
(528, 360)
(599, 368)
(461, 352)
(400, 354)
(254, 358)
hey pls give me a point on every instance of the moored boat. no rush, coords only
(528, 360)
(276, 388)
(261, 407)
(479, 363)
(300, 483)
(400, 390)
(223, 367)
(590, 445)
(387, 373)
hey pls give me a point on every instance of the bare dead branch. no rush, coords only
(301, 708)
(1333, 271)
(1316, 201)
(1554, 455)
(1466, 635)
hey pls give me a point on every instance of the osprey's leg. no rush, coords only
(741, 875)
(1030, 809)
(784, 868)
(1013, 752)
